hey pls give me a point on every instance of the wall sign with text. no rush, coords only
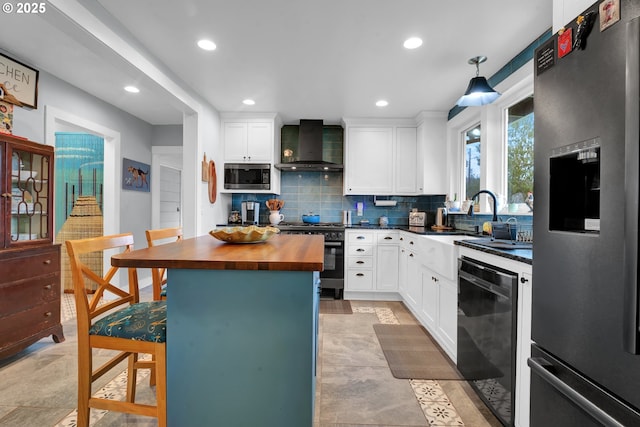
(18, 83)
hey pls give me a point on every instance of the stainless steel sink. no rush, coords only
(502, 244)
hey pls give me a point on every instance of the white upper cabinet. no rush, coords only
(248, 142)
(401, 157)
(432, 153)
(406, 160)
(368, 160)
(250, 138)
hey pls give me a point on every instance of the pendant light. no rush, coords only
(478, 92)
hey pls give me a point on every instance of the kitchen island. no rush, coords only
(241, 329)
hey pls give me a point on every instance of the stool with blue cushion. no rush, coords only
(115, 319)
(158, 275)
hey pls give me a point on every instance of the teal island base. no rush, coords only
(241, 347)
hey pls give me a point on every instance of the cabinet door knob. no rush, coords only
(6, 195)
(388, 238)
(523, 279)
(359, 250)
(47, 287)
(360, 237)
(359, 262)
(411, 255)
(359, 274)
(47, 314)
(402, 238)
(411, 242)
(46, 262)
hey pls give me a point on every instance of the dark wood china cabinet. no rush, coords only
(29, 260)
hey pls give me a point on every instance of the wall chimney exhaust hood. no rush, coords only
(306, 153)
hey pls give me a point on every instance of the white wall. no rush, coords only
(565, 10)
(166, 135)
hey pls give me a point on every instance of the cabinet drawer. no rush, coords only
(21, 295)
(360, 262)
(391, 237)
(360, 250)
(359, 280)
(29, 322)
(30, 265)
(360, 237)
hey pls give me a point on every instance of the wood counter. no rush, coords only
(293, 252)
(242, 323)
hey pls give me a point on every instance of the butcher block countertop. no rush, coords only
(291, 252)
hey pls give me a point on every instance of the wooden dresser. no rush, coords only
(29, 261)
(29, 297)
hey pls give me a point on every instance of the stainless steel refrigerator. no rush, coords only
(585, 361)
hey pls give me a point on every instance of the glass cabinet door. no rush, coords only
(30, 174)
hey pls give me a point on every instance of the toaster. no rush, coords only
(417, 219)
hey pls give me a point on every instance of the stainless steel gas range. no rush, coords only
(332, 278)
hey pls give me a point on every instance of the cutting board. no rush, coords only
(213, 187)
(205, 169)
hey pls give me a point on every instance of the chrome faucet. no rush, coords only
(495, 204)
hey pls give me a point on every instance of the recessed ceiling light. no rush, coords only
(206, 44)
(131, 89)
(249, 102)
(413, 42)
(382, 103)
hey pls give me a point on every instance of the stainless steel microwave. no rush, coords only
(247, 176)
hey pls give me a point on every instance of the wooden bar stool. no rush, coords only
(128, 326)
(158, 275)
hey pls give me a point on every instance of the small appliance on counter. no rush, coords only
(417, 219)
(250, 212)
(346, 218)
(235, 218)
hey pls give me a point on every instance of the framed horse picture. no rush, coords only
(135, 175)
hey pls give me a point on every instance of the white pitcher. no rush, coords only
(275, 217)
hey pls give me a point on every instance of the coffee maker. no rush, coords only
(250, 212)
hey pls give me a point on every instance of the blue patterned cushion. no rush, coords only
(145, 321)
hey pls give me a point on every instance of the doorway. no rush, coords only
(170, 197)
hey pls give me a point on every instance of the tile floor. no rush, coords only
(355, 387)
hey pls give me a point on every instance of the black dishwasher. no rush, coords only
(487, 297)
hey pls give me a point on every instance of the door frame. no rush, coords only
(57, 120)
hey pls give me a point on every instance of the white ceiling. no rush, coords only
(300, 58)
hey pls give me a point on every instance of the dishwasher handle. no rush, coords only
(487, 286)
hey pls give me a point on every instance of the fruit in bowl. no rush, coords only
(250, 234)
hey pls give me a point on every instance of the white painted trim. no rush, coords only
(169, 156)
(60, 120)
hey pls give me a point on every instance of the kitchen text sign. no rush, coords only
(18, 83)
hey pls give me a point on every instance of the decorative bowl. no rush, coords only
(250, 234)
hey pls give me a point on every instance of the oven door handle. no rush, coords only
(333, 244)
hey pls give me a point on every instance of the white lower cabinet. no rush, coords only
(371, 264)
(414, 281)
(429, 303)
(439, 309)
(447, 323)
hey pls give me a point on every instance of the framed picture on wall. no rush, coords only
(135, 175)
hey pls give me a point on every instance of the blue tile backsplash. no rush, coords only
(321, 193)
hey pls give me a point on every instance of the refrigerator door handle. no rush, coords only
(540, 367)
(631, 339)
